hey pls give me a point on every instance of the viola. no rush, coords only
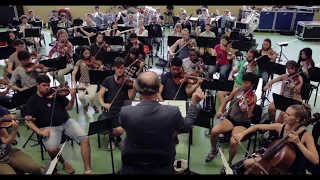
(33, 67)
(94, 63)
(280, 154)
(6, 121)
(61, 91)
(123, 79)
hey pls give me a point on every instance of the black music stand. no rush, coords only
(4, 36)
(207, 41)
(104, 125)
(269, 67)
(155, 31)
(314, 76)
(97, 77)
(6, 52)
(21, 97)
(282, 103)
(208, 60)
(53, 23)
(36, 23)
(56, 64)
(113, 40)
(32, 32)
(109, 57)
(79, 41)
(276, 69)
(172, 40)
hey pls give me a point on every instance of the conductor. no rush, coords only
(150, 125)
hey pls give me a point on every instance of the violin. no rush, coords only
(6, 121)
(280, 154)
(33, 67)
(293, 79)
(128, 81)
(94, 63)
(246, 99)
(62, 91)
(183, 77)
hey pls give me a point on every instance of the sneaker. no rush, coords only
(112, 146)
(208, 132)
(212, 154)
(85, 109)
(68, 168)
(88, 172)
(96, 109)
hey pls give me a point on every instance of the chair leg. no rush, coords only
(71, 142)
(28, 140)
(18, 134)
(99, 142)
(41, 146)
(77, 106)
(315, 98)
(248, 147)
(255, 141)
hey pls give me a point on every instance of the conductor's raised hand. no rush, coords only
(197, 96)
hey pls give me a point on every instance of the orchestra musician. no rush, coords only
(64, 22)
(114, 32)
(166, 120)
(177, 31)
(26, 73)
(160, 18)
(120, 15)
(183, 20)
(224, 18)
(237, 118)
(84, 82)
(200, 28)
(156, 27)
(306, 63)
(96, 48)
(130, 22)
(97, 16)
(51, 128)
(291, 84)
(24, 25)
(301, 140)
(11, 38)
(204, 14)
(13, 158)
(223, 54)
(134, 63)
(210, 34)
(169, 90)
(32, 16)
(141, 31)
(271, 56)
(63, 48)
(112, 101)
(55, 16)
(134, 42)
(193, 64)
(88, 22)
(184, 43)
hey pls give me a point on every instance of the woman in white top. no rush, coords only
(177, 30)
(114, 32)
(141, 31)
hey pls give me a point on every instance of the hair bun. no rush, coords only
(307, 108)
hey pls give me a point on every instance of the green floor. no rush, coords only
(101, 160)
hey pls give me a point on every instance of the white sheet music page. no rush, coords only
(181, 104)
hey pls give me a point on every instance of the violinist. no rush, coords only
(290, 87)
(64, 22)
(183, 20)
(62, 47)
(84, 81)
(238, 118)
(306, 63)
(156, 27)
(270, 57)
(224, 55)
(25, 73)
(134, 63)
(24, 25)
(302, 140)
(134, 42)
(193, 64)
(112, 101)
(99, 48)
(183, 45)
(141, 31)
(13, 158)
(12, 37)
(248, 65)
(51, 128)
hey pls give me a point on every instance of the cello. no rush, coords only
(280, 154)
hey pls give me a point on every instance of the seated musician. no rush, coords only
(155, 26)
(5, 100)
(181, 11)
(306, 62)
(55, 16)
(182, 44)
(11, 38)
(169, 90)
(64, 22)
(160, 18)
(112, 101)
(114, 32)
(12, 159)
(202, 27)
(242, 68)
(177, 31)
(97, 16)
(210, 34)
(130, 22)
(84, 81)
(51, 128)
(204, 14)
(301, 140)
(62, 47)
(96, 48)
(134, 63)
(32, 16)
(224, 18)
(25, 25)
(193, 64)
(271, 56)
(223, 54)
(25, 72)
(183, 20)
(141, 31)
(290, 87)
(238, 118)
(134, 42)
(88, 22)
(120, 15)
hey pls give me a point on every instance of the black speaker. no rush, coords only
(287, 32)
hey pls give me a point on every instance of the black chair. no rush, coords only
(257, 113)
(306, 91)
(146, 160)
(315, 78)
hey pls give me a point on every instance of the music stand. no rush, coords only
(277, 69)
(101, 126)
(97, 77)
(55, 64)
(54, 23)
(6, 52)
(21, 97)
(4, 36)
(208, 60)
(111, 56)
(269, 67)
(79, 41)
(113, 40)
(207, 41)
(36, 23)
(155, 31)
(172, 40)
(282, 103)
(314, 76)
(32, 32)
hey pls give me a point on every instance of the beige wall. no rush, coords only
(79, 11)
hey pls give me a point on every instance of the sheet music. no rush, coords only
(181, 104)
(228, 170)
(55, 160)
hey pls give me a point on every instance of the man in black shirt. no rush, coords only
(169, 90)
(52, 125)
(117, 92)
(136, 43)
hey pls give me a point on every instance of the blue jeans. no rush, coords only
(223, 71)
(265, 77)
(71, 128)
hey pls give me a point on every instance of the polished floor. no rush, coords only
(101, 160)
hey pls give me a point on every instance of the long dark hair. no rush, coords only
(308, 52)
(134, 51)
(83, 49)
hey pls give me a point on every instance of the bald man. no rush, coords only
(150, 125)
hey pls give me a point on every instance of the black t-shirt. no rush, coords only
(170, 88)
(141, 48)
(41, 109)
(112, 88)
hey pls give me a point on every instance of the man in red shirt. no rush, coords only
(222, 61)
